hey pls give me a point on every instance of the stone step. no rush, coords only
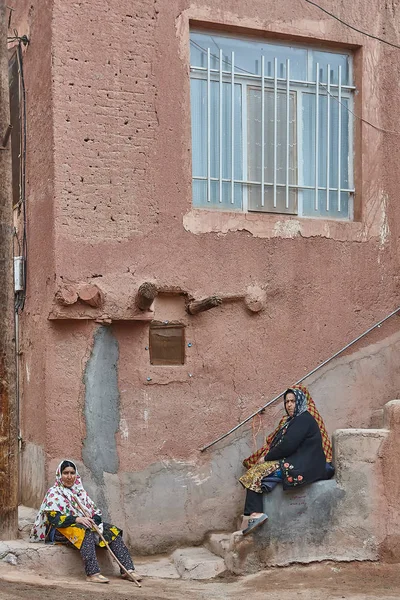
(218, 543)
(161, 567)
(198, 563)
(50, 559)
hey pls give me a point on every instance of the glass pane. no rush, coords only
(199, 127)
(219, 195)
(247, 55)
(307, 165)
(254, 200)
(254, 150)
(308, 202)
(333, 59)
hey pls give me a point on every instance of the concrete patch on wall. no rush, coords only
(178, 502)
(32, 483)
(101, 411)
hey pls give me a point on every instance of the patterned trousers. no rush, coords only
(88, 552)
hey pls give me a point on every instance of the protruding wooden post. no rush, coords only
(66, 295)
(201, 305)
(8, 403)
(91, 294)
(145, 295)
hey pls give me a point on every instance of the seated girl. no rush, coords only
(61, 519)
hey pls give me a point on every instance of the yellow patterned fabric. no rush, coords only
(312, 409)
(251, 480)
(74, 534)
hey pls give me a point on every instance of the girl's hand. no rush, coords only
(261, 461)
(85, 521)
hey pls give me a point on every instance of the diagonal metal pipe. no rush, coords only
(357, 339)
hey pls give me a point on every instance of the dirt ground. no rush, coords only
(327, 581)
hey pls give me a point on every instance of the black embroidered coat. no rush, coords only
(300, 452)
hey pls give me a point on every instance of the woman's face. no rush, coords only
(68, 477)
(290, 403)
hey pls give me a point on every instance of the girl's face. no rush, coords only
(290, 404)
(68, 477)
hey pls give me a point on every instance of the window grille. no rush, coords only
(272, 127)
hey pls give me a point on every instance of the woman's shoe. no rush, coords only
(133, 574)
(252, 524)
(97, 578)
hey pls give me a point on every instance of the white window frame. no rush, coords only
(246, 81)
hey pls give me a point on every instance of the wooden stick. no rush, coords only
(131, 576)
(193, 308)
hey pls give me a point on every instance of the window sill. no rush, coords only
(263, 225)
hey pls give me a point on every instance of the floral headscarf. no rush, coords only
(61, 499)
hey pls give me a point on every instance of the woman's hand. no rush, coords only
(85, 521)
(261, 460)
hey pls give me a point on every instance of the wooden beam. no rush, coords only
(8, 400)
(197, 306)
(66, 295)
(145, 295)
(91, 294)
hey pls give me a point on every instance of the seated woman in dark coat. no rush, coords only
(296, 453)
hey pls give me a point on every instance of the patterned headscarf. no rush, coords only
(301, 401)
(312, 409)
(61, 499)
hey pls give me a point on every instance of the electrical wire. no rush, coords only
(376, 127)
(20, 295)
(370, 35)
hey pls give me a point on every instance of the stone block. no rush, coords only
(218, 543)
(48, 559)
(162, 568)
(391, 414)
(197, 563)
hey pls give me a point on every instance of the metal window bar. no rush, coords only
(287, 129)
(254, 77)
(325, 362)
(262, 129)
(220, 125)
(293, 186)
(276, 85)
(233, 128)
(316, 134)
(328, 134)
(208, 125)
(339, 174)
(275, 122)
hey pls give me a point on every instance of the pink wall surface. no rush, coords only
(110, 203)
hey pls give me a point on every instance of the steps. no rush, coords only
(351, 517)
(48, 559)
(198, 563)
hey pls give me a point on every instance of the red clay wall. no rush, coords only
(117, 91)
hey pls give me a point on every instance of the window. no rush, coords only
(271, 127)
(167, 344)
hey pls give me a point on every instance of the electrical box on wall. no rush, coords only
(18, 273)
